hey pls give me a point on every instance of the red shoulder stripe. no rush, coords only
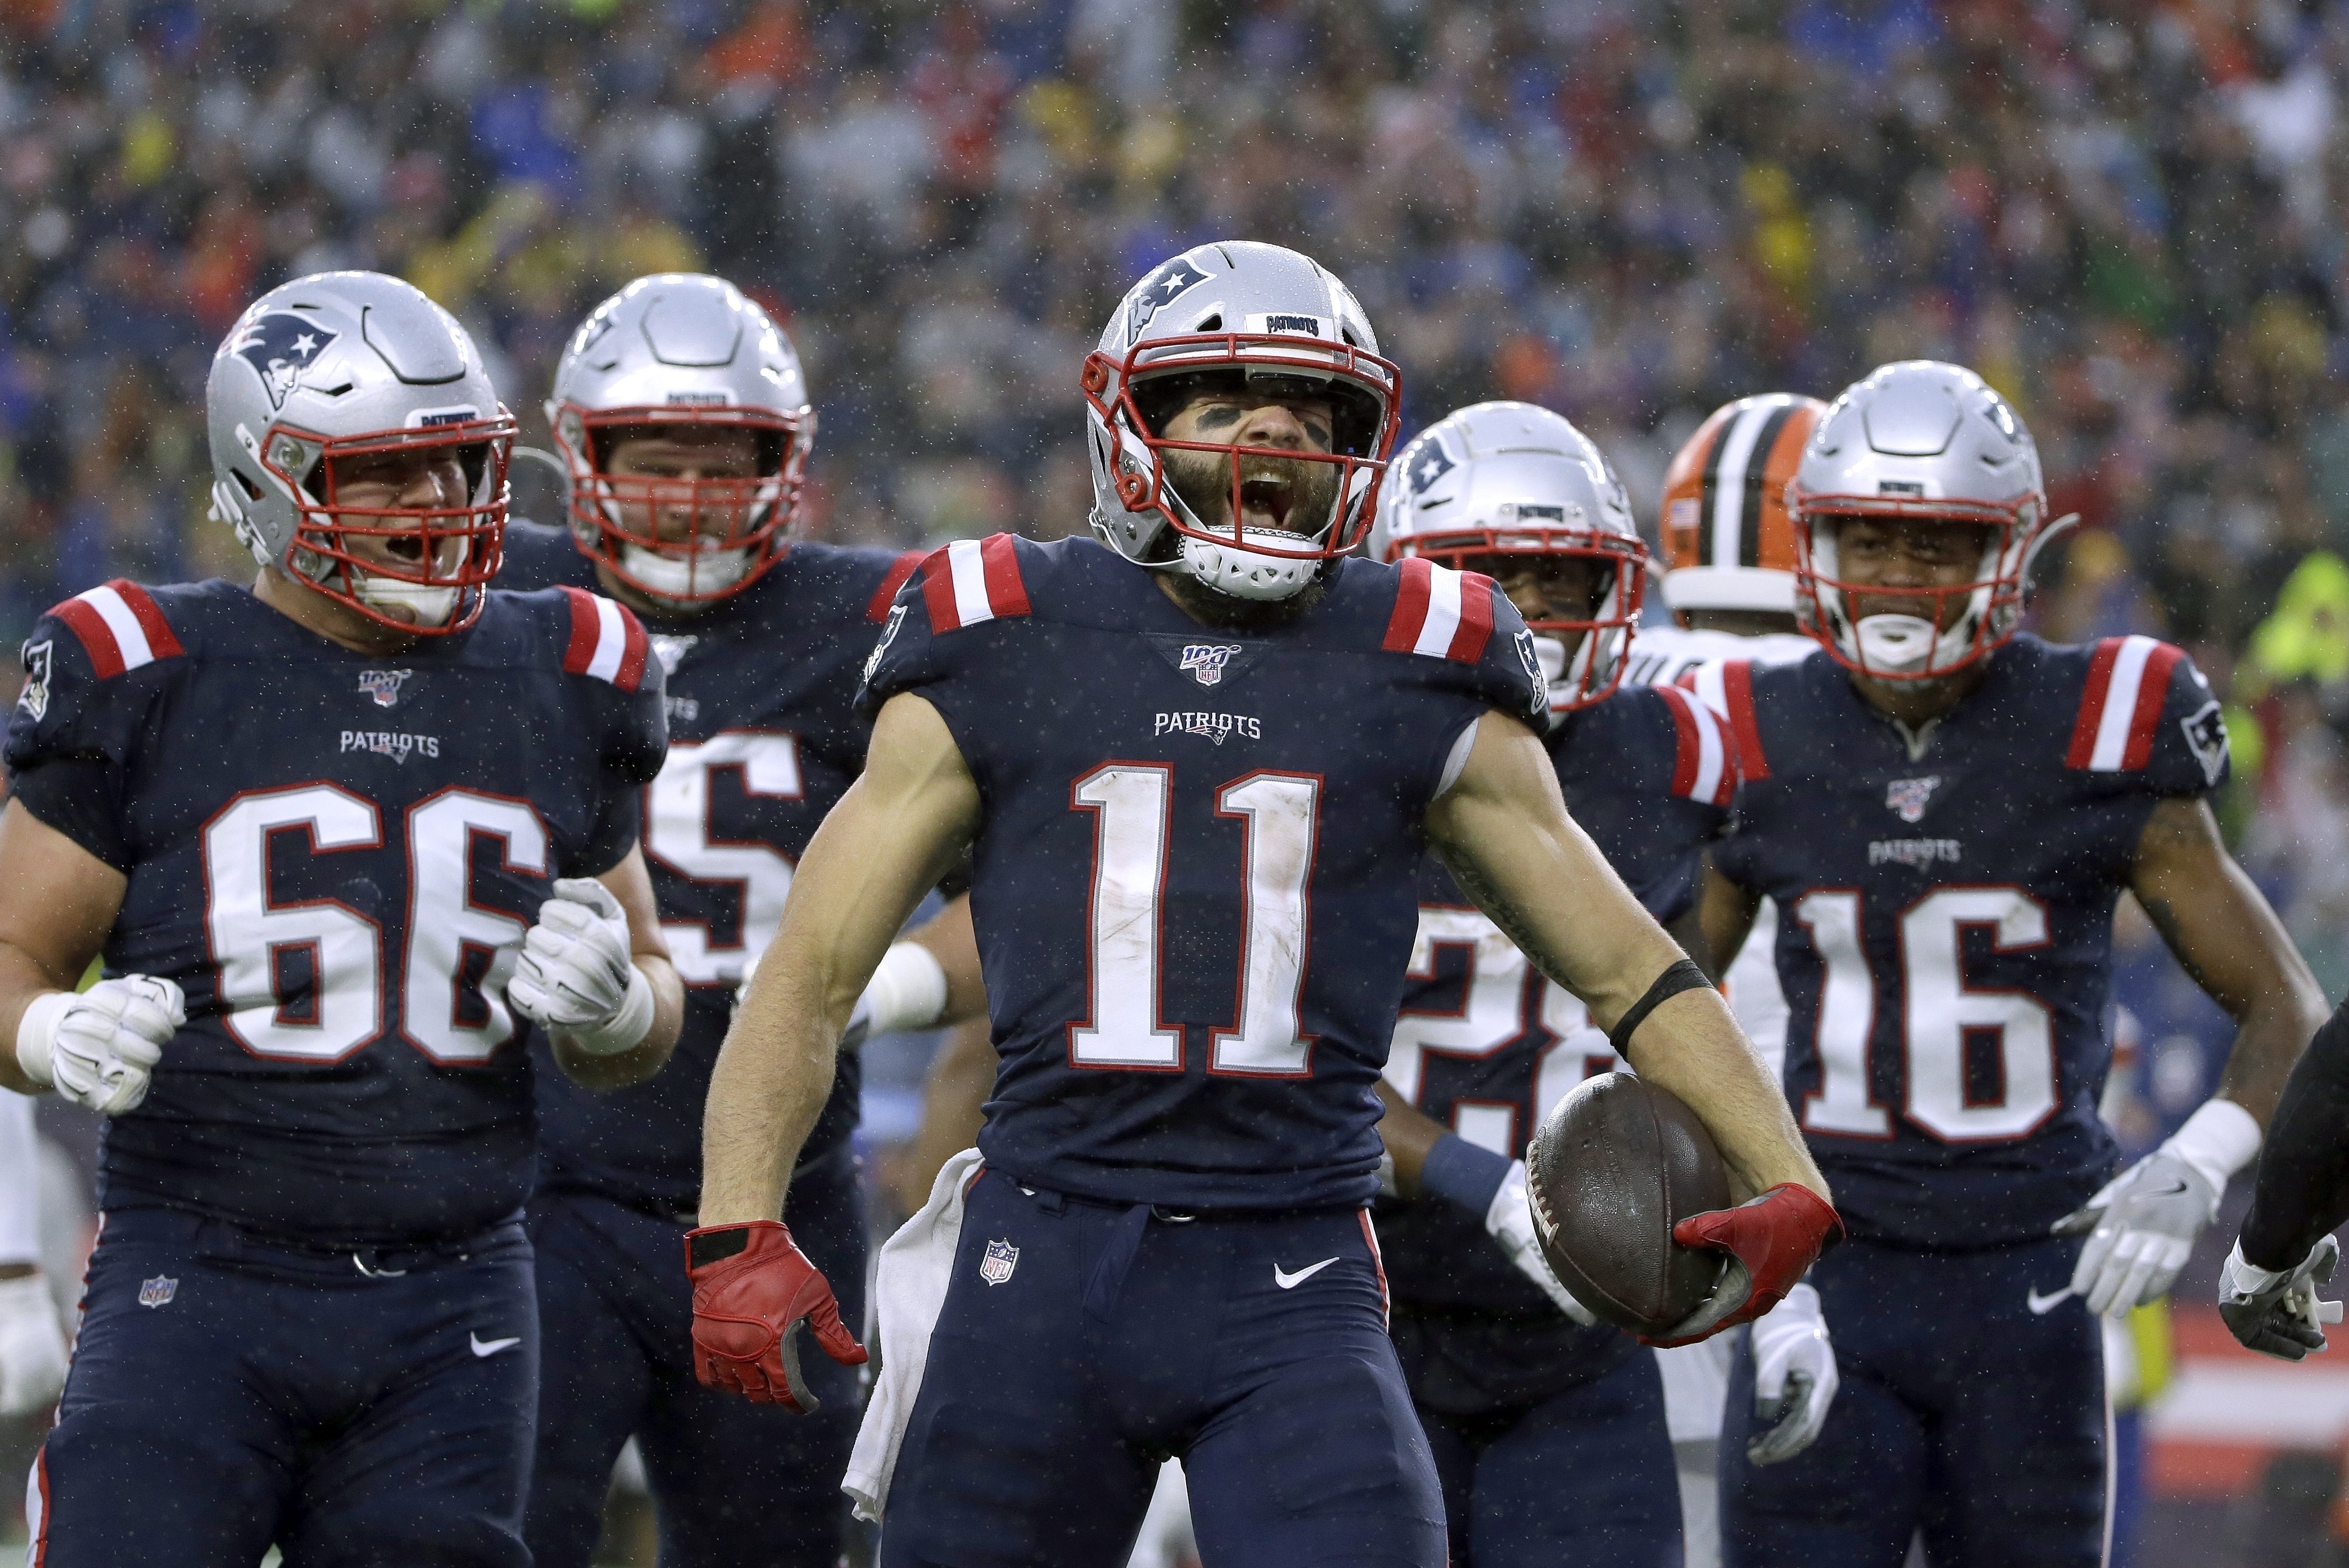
(1685, 744)
(1704, 765)
(1411, 607)
(121, 626)
(973, 580)
(937, 589)
(1737, 688)
(606, 641)
(1442, 613)
(1000, 565)
(877, 611)
(1475, 628)
(2092, 704)
(2152, 691)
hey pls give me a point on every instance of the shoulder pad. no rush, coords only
(606, 641)
(971, 581)
(1442, 613)
(2120, 706)
(877, 609)
(1705, 758)
(120, 627)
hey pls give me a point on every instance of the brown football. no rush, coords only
(1615, 1165)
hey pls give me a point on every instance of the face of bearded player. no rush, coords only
(692, 484)
(1253, 489)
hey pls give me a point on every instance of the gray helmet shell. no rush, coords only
(1275, 316)
(1515, 478)
(681, 348)
(1924, 439)
(333, 361)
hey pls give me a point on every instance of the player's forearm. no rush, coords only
(1692, 1046)
(954, 1100)
(1411, 1135)
(21, 978)
(773, 1074)
(2302, 1190)
(2268, 1045)
(951, 940)
(624, 1069)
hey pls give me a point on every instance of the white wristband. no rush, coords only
(908, 991)
(2219, 1139)
(36, 1035)
(629, 1026)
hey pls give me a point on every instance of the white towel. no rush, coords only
(909, 1291)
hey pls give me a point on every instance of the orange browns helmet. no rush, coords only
(1728, 542)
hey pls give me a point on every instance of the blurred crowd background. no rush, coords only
(2124, 213)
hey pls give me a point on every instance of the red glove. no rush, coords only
(1771, 1242)
(752, 1287)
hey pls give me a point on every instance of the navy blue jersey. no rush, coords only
(1194, 877)
(763, 739)
(335, 856)
(1485, 1044)
(1945, 919)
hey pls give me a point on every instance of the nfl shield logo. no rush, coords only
(1907, 797)
(1206, 661)
(1002, 1258)
(158, 1291)
(383, 686)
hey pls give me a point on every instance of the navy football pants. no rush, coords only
(1115, 1338)
(227, 1393)
(1584, 1477)
(733, 1484)
(1962, 1412)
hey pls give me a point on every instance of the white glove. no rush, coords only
(576, 976)
(2140, 1228)
(99, 1050)
(2278, 1311)
(32, 1348)
(1795, 1377)
(1510, 1222)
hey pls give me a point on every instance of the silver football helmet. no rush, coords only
(681, 350)
(353, 366)
(1512, 479)
(1919, 438)
(1275, 321)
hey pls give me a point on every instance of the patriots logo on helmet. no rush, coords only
(1905, 798)
(1161, 289)
(279, 346)
(1205, 662)
(1430, 463)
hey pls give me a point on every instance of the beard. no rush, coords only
(1291, 495)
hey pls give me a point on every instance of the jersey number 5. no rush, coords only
(677, 835)
(1279, 813)
(260, 945)
(1943, 1021)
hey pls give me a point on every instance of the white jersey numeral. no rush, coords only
(452, 940)
(677, 834)
(1279, 813)
(1492, 1014)
(1941, 1017)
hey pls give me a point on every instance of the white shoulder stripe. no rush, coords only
(968, 567)
(1442, 623)
(2120, 703)
(611, 641)
(129, 637)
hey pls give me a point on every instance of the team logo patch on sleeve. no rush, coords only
(1530, 656)
(1002, 1258)
(280, 346)
(383, 686)
(1907, 797)
(34, 699)
(888, 635)
(2206, 733)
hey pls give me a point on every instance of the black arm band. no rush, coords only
(1681, 976)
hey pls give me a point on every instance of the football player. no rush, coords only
(1729, 577)
(32, 1344)
(339, 839)
(1944, 813)
(2300, 1196)
(1549, 1435)
(683, 422)
(1194, 768)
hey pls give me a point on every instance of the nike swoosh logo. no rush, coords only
(2172, 1190)
(1291, 1280)
(491, 1346)
(2041, 1306)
